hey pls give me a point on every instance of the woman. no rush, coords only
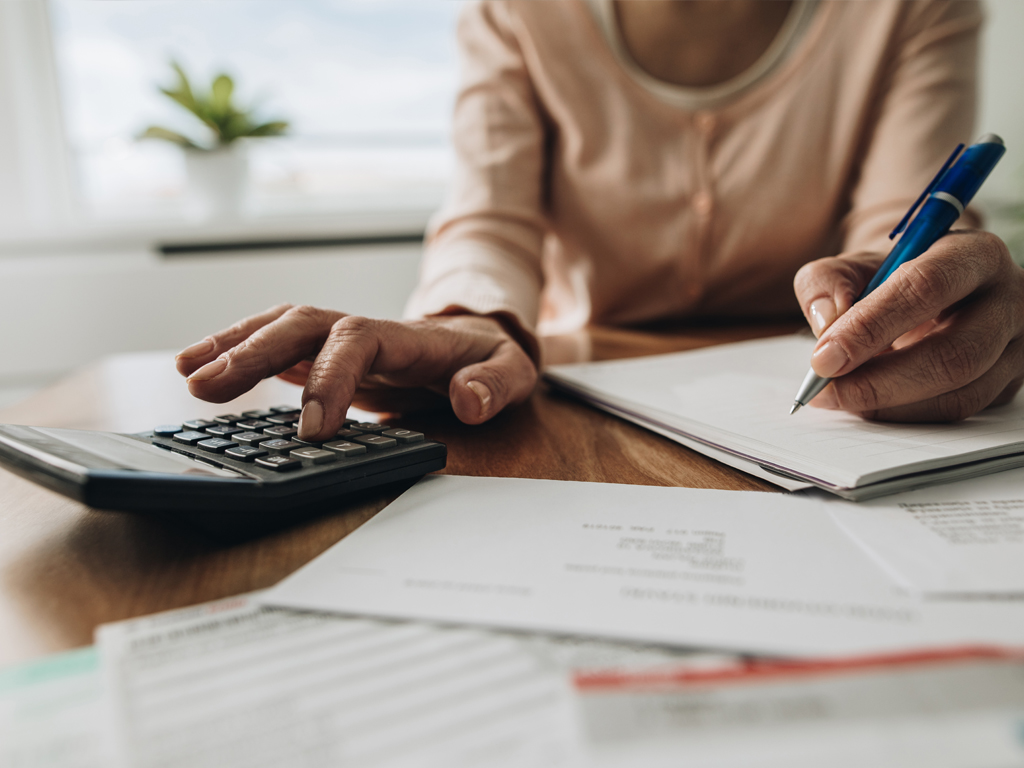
(621, 162)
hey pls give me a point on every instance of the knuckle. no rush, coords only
(860, 393)
(957, 364)
(863, 332)
(960, 404)
(305, 314)
(353, 325)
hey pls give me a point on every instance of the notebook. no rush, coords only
(735, 398)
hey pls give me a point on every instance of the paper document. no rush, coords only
(754, 572)
(960, 539)
(736, 398)
(51, 713)
(926, 711)
(232, 683)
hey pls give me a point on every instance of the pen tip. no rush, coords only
(794, 409)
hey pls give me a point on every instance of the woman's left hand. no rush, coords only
(940, 340)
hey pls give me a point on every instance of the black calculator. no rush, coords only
(235, 476)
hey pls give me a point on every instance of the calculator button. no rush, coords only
(349, 422)
(404, 435)
(347, 434)
(216, 445)
(279, 463)
(256, 414)
(245, 452)
(345, 448)
(284, 418)
(191, 437)
(222, 430)
(280, 431)
(376, 442)
(312, 443)
(167, 430)
(280, 446)
(283, 408)
(253, 425)
(369, 426)
(311, 455)
(199, 424)
(250, 438)
(228, 418)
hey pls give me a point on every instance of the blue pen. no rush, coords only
(944, 200)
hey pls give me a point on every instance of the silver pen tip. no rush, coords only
(796, 407)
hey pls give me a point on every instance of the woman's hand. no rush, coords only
(940, 340)
(377, 364)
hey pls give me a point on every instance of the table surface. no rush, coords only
(65, 568)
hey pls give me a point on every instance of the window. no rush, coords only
(366, 86)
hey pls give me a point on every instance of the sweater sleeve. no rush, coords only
(926, 107)
(483, 249)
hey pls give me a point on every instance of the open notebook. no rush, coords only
(736, 398)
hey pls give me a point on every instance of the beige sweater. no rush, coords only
(581, 196)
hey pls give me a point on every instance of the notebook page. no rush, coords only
(738, 396)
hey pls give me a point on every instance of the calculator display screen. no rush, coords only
(79, 451)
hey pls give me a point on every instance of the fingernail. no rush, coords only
(481, 391)
(201, 348)
(823, 314)
(210, 370)
(311, 420)
(826, 399)
(829, 360)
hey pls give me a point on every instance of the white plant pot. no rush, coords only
(218, 181)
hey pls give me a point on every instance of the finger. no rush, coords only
(918, 291)
(827, 288)
(481, 390)
(196, 356)
(294, 336)
(948, 358)
(996, 386)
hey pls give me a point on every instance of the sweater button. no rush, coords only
(702, 203)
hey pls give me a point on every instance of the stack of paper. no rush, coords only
(735, 400)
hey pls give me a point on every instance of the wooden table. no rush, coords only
(64, 568)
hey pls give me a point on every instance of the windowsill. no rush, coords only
(279, 224)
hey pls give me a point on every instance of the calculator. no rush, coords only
(234, 476)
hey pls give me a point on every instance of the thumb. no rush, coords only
(827, 288)
(481, 390)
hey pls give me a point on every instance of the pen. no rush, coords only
(944, 200)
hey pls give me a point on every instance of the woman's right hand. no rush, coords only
(376, 364)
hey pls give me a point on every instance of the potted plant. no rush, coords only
(217, 168)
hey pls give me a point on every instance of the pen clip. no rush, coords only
(945, 167)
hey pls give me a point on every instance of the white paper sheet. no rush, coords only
(737, 397)
(755, 572)
(232, 683)
(961, 539)
(52, 713)
(926, 712)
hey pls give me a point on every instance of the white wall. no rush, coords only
(62, 311)
(1001, 108)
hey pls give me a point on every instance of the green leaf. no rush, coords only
(235, 126)
(165, 134)
(183, 94)
(273, 128)
(220, 94)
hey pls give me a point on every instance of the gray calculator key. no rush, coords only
(256, 414)
(222, 430)
(228, 418)
(347, 434)
(369, 426)
(191, 437)
(279, 463)
(311, 455)
(404, 435)
(199, 424)
(253, 425)
(283, 408)
(376, 442)
(284, 418)
(167, 430)
(250, 438)
(345, 448)
(280, 446)
(216, 445)
(280, 431)
(245, 452)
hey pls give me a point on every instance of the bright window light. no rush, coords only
(366, 85)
